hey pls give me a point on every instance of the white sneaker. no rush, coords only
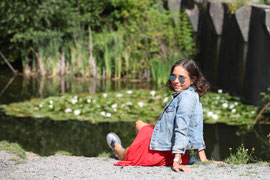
(113, 139)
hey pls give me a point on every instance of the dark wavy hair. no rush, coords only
(202, 86)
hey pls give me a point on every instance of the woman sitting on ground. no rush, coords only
(178, 129)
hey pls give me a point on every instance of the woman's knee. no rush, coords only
(139, 124)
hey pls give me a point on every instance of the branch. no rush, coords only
(259, 116)
(9, 65)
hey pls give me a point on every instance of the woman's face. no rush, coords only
(178, 86)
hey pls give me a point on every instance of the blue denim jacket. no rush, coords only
(180, 126)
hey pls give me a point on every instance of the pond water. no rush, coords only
(45, 136)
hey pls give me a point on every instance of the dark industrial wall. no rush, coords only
(257, 76)
(233, 62)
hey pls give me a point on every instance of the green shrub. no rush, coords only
(241, 156)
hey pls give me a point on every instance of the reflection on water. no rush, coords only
(44, 136)
(19, 88)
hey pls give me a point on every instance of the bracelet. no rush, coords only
(178, 160)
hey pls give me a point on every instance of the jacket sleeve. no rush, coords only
(186, 106)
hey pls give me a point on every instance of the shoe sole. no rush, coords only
(116, 138)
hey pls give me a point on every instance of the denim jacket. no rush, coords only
(180, 126)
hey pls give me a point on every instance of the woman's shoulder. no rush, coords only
(189, 92)
(188, 95)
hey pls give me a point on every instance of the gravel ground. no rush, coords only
(74, 167)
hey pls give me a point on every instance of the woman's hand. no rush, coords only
(203, 158)
(177, 167)
(217, 162)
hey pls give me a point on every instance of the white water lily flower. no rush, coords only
(114, 110)
(68, 110)
(119, 95)
(76, 97)
(153, 93)
(220, 91)
(51, 106)
(236, 103)
(129, 103)
(215, 116)
(217, 98)
(224, 105)
(141, 104)
(77, 112)
(38, 116)
(233, 110)
(166, 99)
(231, 106)
(114, 106)
(89, 100)
(105, 95)
(102, 113)
(108, 114)
(51, 102)
(210, 114)
(41, 105)
(129, 92)
(74, 101)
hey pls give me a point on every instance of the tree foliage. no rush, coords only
(128, 35)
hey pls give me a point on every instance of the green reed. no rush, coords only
(110, 45)
(126, 57)
(57, 57)
(79, 55)
(160, 69)
(55, 54)
(117, 55)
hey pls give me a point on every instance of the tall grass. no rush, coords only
(107, 60)
(160, 69)
(110, 46)
(59, 58)
(117, 50)
(126, 57)
(79, 58)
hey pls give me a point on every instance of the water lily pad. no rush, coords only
(128, 105)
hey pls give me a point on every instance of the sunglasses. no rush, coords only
(181, 79)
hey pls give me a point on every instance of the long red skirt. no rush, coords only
(139, 153)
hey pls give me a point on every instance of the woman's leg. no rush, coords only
(120, 151)
(139, 125)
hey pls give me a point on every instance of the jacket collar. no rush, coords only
(190, 88)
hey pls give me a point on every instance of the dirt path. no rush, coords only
(74, 167)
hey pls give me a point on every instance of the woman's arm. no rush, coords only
(178, 166)
(202, 156)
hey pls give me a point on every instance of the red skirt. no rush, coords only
(139, 153)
